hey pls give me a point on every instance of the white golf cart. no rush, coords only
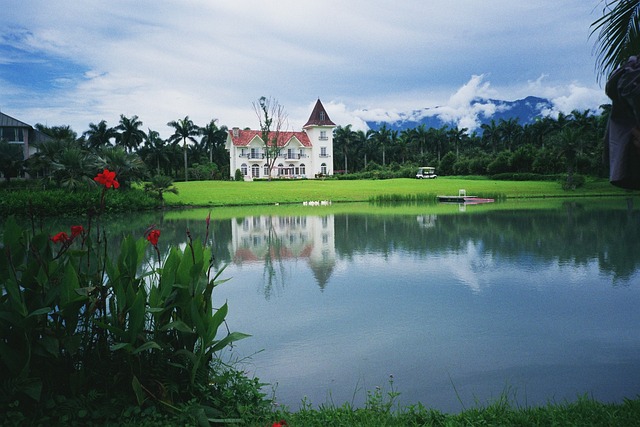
(426, 172)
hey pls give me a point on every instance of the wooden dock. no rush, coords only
(463, 198)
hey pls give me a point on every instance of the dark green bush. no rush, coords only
(87, 338)
(54, 202)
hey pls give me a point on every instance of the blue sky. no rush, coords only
(74, 63)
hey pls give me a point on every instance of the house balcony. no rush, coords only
(293, 156)
(252, 155)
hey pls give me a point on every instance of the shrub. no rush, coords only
(85, 337)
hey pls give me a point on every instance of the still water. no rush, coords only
(540, 305)
(455, 306)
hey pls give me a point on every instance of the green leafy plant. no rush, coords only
(76, 324)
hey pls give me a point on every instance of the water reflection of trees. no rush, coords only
(570, 235)
(576, 234)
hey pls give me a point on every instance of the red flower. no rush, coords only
(153, 236)
(61, 237)
(280, 423)
(107, 178)
(76, 230)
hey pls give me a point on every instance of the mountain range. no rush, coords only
(471, 115)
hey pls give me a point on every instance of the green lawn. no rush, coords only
(230, 193)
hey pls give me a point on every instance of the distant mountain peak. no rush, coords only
(471, 115)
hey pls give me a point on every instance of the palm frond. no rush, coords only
(618, 34)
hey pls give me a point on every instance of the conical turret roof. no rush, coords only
(319, 116)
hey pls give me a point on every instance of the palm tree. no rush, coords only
(127, 166)
(99, 135)
(420, 135)
(569, 141)
(160, 185)
(360, 143)
(185, 130)
(456, 135)
(491, 134)
(509, 130)
(213, 137)
(342, 138)
(440, 137)
(383, 137)
(618, 34)
(74, 168)
(63, 133)
(154, 151)
(130, 135)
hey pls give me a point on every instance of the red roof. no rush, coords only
(242, 138)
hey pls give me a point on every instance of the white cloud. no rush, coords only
(365, 60)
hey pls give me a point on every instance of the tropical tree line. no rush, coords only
(569, 143)
(68, 160)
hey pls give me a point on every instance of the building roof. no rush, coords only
(8, 121)
(242, 138)
(319, 116)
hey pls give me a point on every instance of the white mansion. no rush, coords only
(304, 154)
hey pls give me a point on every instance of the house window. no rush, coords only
(323, 169)
(243, 152)
(243, 169)
(280, 169)
(302, 169)
(321, 115)
(291, 153)
(255, 171)
(323, 151)
(266, 170)
(323, 135)
(291, 169)
(255, 154)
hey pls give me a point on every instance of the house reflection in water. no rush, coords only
(276, 239)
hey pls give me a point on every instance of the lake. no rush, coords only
(452, 306)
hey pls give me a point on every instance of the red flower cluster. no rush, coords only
(153, 236)
(280, 423)
(63, 237)
(107, 178)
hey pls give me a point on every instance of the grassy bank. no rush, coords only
(226, 193)
(583, 412)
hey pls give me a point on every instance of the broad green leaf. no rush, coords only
(120, 346)
(32, 387)
(40, 311)
(147, 346)
(232, 337)
(68, 286)
(13, 290)
(50, 345)
(217, 320)
(137, 389)
(178, 325)
(136, 315)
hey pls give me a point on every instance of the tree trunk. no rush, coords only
(186, 174)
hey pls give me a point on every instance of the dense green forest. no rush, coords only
(569, 143)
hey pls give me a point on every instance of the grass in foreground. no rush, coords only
(584, 412)
(231, 193)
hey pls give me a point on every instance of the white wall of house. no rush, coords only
(322, 154)
(295, 160)
(304, 154)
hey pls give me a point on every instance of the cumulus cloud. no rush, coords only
(367, 61)
(477, 100)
